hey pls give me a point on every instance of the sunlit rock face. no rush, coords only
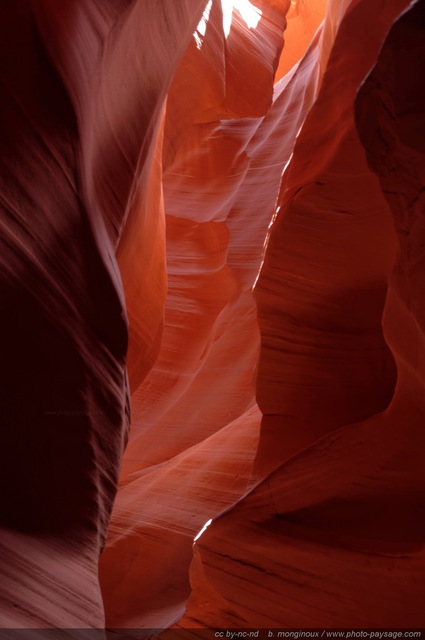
(213, 219)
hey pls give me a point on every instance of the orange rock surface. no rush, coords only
(213, 221)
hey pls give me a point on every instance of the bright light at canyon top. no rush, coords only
(250, 14)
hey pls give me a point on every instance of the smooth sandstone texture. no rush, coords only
(200, 395)
(332, 536)
(322, 292)
(220, 212)
(77, 143)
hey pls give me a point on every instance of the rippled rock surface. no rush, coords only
(213, 263)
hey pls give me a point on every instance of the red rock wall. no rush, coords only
(142, 167)
(195, 412)
(331, 535)
(81, 96)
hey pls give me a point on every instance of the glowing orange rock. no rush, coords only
(331, 537)
(199, 396)
(277, 370)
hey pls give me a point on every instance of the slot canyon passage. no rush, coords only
(213, 315)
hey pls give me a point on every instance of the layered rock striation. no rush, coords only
(212, 220)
